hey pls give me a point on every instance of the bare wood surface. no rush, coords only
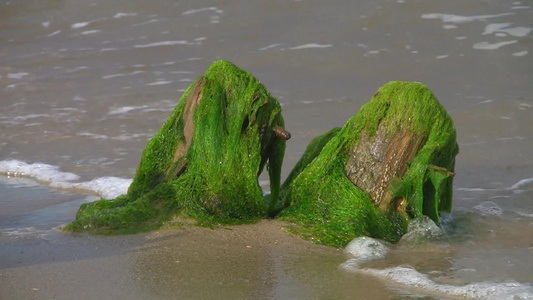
(375, 161)
(178, 165)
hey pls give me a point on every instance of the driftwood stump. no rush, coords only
(204, 161)
(391, 162)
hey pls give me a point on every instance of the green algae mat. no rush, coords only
(393, 161)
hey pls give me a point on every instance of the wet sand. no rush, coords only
(257, 261)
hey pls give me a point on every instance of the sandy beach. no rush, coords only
(257, 261)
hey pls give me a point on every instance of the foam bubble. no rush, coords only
(106, 187)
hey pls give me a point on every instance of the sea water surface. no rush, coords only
(84, 85)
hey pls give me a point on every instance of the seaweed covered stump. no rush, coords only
(392, 161)
(204, 161)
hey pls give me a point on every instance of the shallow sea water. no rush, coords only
(85, 84)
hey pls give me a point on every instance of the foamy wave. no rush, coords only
(411, 278)
(38, 171)
(449, 18)
(522, 183)
(366, 249)
(106, 187)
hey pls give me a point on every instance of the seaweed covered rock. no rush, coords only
(204, 161)
(392, 161)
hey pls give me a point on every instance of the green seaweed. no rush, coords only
(215, 179)
(205, 160)
(329, 209)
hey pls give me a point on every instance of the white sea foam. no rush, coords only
(449, 18)
(365, 249)
(18, 75)
(122, 74)
(519, 31)
(147, 22)
(30, 116)
(121, 15)
(164, 43)
(520, 53)
(160, 82)
(93, 135)
(269, 47)
(310, 46)
(54, 33)
(79, 25)
(87, 32)
(106, 187)
(203, 9)
(449, 26)
(521, 183)
(39, 171)
(124, 109)
(494, 46)
(411, 278)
